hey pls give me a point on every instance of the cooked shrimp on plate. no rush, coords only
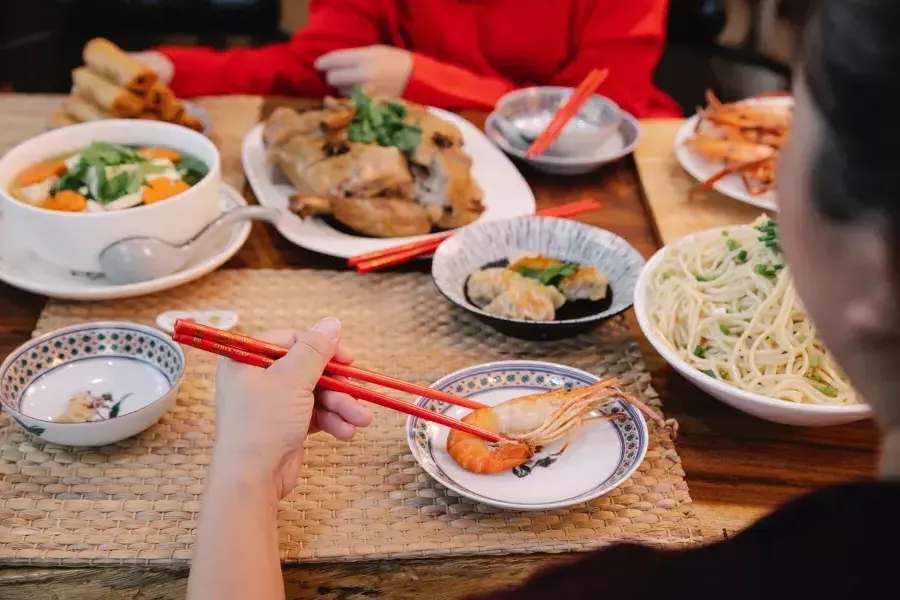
(573, 437)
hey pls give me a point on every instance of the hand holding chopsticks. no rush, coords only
(258, 353)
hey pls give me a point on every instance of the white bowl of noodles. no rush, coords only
(720, 307)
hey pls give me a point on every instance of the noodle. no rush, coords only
(726, 304)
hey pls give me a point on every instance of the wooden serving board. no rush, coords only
(667, 186)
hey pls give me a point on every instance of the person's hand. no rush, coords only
(380, 70)
(159, 62)
(264, 415)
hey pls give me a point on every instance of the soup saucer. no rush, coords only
(19, 267)
(595, 461)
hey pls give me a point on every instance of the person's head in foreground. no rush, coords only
(839, 197)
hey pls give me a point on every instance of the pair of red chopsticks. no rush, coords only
(389, 257)
(565, 112)
(248, 350)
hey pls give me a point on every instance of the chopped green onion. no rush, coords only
(724, 330)
(828, 391)
(732, 244)
(709, 372)
(699, 352)
(814, 361)
(741, 257)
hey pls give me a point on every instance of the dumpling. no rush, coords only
(526, 299)
(485, 285)
(587, 283)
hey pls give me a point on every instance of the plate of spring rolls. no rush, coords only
(112, 84)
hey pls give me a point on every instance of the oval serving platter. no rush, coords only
(602, 456)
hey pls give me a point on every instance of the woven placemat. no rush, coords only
(138, 501)
(23, 116)
(667, 188)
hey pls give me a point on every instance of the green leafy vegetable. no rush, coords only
(550, 275)
(382, 123)
(126, 182)
(192, 169)
(106, 154)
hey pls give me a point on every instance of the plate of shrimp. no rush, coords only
(573, 437)
(734, 147)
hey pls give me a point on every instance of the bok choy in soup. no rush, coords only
(106, 177)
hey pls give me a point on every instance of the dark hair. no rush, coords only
(851, 66)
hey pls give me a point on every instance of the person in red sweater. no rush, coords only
(455, 54)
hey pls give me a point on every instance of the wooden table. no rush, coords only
(738, 467)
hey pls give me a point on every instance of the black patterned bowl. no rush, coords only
(490, 244)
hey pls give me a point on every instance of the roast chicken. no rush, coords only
(375, 190)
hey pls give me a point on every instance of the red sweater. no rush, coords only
(467, 53)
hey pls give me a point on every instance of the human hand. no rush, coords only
(159, 62)
(380, 70)
(264, 415)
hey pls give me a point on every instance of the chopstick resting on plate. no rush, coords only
(565, 112)
(389, 257)
(258, 353)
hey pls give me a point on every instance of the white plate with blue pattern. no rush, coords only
(599, 458)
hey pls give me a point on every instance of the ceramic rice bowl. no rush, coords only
(141, 368)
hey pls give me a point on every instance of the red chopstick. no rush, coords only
(256, 348)
(565, 112)
(396, 255)
(329, 383)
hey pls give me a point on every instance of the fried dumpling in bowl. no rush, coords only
(526, 299)
(485, 285)
(587, 283)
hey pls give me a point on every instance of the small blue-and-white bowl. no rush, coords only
(487, 244)
(139, 367)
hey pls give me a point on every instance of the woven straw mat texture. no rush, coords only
(138, 501)
(23, 116)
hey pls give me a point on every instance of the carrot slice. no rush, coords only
(167, 153)
(66, 200)
(39, 172)
(162, 188)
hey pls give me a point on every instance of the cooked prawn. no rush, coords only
(745, 137)
(532, 422)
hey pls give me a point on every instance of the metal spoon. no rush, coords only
(145, 258)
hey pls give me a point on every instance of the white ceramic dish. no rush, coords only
(602, 456)
(74, 240)
(140, 367)
(22, 268)
(702, 169)
(506, 194)
(770, 409)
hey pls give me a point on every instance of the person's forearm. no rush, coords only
(236, 555)
(449, 86)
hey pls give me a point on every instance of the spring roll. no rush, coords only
(116, 65)
(171, 110)
(84, 110)
(118, 101)
(156, 96)
(190, 121)
(61, 118)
